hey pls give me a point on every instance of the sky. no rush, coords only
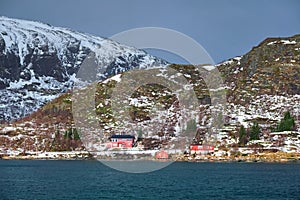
(225, 28)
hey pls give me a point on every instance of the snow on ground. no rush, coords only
(115, 78)
(230, 61)
(283, 42)
(209, 67)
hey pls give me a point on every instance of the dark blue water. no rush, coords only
(92, 180)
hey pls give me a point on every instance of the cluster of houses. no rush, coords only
(128, 142)
(287, 141)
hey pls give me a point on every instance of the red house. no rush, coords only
(201, 149)
(121, 141)
(161, 155)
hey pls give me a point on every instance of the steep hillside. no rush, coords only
(271, 68)
(38, 62)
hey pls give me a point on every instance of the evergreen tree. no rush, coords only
(254, 132)
(68, 134)
(242, 136)
(286, 124)
(76, 134)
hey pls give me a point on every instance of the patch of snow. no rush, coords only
(232, 60)
(8, 129)
(209, 67)
(115, 78)
(288, 42)
(218, 89)
(283, 42)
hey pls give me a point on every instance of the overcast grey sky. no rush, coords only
(225, 28)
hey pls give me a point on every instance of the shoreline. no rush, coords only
(278, 157)
(179, 161)
(262, 157)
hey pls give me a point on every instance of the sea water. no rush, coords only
(49, 179)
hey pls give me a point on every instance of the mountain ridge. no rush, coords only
(33, 53)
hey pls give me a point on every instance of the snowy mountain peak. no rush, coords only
(39, 62)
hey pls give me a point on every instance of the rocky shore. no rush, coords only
(64, 155)
(84, 155)
(261, 157)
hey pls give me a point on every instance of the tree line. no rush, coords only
(287, 123)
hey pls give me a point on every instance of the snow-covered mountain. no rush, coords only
(38, 62)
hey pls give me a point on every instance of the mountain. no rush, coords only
(260, 86)
(39, 62)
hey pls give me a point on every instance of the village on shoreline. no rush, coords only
(280, 157)
(161, 155)
(232, 144)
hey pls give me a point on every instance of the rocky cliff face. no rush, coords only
(271, 68)
(38, 62)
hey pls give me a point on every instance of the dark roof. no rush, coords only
(122, 136)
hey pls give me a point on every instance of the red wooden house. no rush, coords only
(201, 149)
(121, 141)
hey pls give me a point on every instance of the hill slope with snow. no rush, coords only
(259, 86)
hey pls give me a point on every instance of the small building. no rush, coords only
(201, 149)
(121, 141)
(162, 155)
